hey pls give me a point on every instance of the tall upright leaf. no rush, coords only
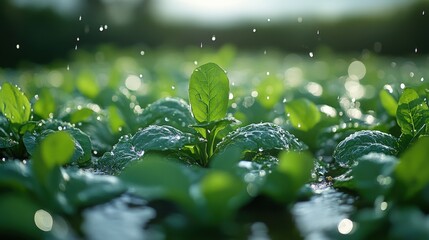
(14, 104)
(208, 93)
(412, 113)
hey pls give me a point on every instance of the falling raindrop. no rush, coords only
(423, 13)
(422, 79)
(300, 19)
(415, 50)
(213, 38)
(345, 226)
(201, 45)
(318, 32)
(77, 39)
(80, 18)
(254, 30)
(68, 67)
(17, 46)
(402, 85)
(269, 19)
(105, 26)
(195, 63)
(268, 73)
(142, 53)
(101, 28)
(173, 87)
(231, 96)
(265, 52)
(75, 47)
(411, 74)
(310, 54)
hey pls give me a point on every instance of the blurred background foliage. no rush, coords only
(40, 31)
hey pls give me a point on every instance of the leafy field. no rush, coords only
(216, 143)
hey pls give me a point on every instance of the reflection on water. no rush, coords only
(325, 211)
(122, 218)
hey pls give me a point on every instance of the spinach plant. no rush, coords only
(191, 132)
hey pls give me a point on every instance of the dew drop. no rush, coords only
(268, 73)
(254, 30)
(231, 96)
(213, 38)
(173, 87)
(402, 85)
(310, 54)
(300, 19)
(77, 39)
(254, 94)
(411, 74)
(60, 128)
(195, 63)
(101, 28)
(142, 53)
(422, 79)
(105, 26)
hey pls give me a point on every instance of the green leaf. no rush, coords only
(372, 175)
(157, 178)
(81, 115)
(87, 84)
(270, 90)
(413, 169)
(412, 113)
(222, 194)
(260, 137)
(116, 121)
(84, 189)
(388, 102)
(82, 142)
(303, 114)
(208, 93)
(361, 143)
(292, 172)
(168, 111)
(14, 104)
(6, 142)
(45, 105)
(57, 149)
(16, 176)
(152, 138)
(18, 214)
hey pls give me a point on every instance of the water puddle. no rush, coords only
(121, 218)
(322, 213)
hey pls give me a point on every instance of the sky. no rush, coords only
(224, 12)
(210, 12)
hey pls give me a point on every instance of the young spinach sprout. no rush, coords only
(208, 97)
